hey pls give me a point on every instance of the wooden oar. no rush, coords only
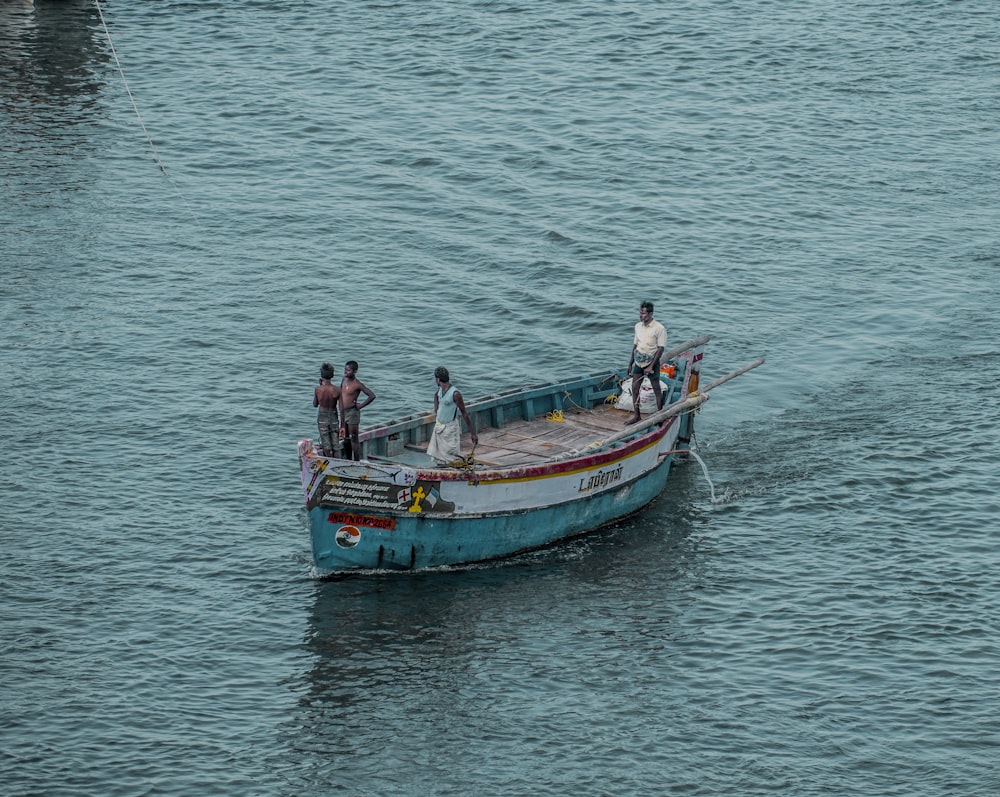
(687, 403)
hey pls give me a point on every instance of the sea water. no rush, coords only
(195, 220)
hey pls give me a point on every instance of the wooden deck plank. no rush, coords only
(521, 442)
(588, 427)
(549, 437)
(507, 458)
(607, 418)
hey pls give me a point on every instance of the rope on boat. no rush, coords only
(690, 403)
(467, 465)
(569, 399)
(135, 107)
(708, 478)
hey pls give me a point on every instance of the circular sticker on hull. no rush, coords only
(347, 536)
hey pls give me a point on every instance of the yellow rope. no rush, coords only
(555, 415)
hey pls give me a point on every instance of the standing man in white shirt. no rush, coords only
(650, 341)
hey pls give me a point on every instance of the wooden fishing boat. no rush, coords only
(553, 461)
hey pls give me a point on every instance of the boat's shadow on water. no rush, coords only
(54, 51)
(664, 541)
(388, 647)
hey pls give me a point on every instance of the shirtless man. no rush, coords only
(350, 388)
(326, 396)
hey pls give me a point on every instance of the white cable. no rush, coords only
(152, 146)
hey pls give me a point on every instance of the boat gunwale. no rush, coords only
(587, 458)
(493, 400)
(584, 460)
(528, 472)
(481, 515)
(596, 454)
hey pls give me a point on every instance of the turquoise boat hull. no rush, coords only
(426, 540)
(554, 461)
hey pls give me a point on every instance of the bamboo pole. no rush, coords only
(691, 344)
(685, 404)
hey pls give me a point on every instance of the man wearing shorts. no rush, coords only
(326, 397)
(350, 389)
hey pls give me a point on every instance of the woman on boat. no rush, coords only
(446, 440)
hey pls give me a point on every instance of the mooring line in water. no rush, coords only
(708, 478)
(135, 107)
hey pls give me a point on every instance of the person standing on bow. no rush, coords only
(446, 439)
(326, 396)
(647, 348)
(350, 388)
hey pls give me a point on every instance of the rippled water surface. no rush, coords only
(495, 186)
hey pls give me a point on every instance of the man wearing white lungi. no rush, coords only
(446, 440)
